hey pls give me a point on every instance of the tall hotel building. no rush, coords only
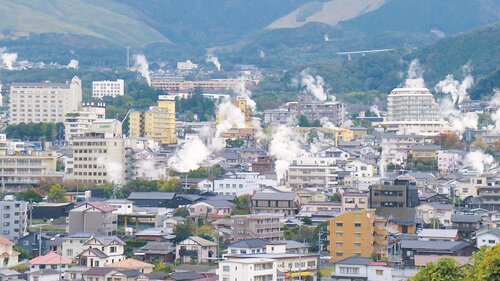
(113, 89)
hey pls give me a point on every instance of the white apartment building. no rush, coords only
(186, 65)
(240, 183)
(313, 171)
(14, 218)
(76, 123)
(101, 89)
(99, 155)
(255, 269)
(413, 110)
(449, 161)
(44, 102)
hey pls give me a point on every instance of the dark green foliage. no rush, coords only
(195, 105)
(243, 205)
(29, 195)
(230, 143)
(303, 122)
(212, 172)
(183, 230)
(36, 131)
(181, 212)
(335, 198)
(131, 245)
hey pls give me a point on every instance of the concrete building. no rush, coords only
(93, 217)
(313, 171)
(28, 169)
(99, 155)
(186, 65)
(333, 111)
(74, 244)
(394, 194)
(240, 183)
(448, 161)
(158, 122)
(211, 209)
(354, 200)
(356, 268)
(43, 102)
(281, 116)
(76, 123)
(101, 89)
(13, 217)
(264, 226)
(257, 269)
(413, 110)
(487, 237)
(357, 233)
(286, 203)
(214, 84)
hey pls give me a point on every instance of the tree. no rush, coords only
(183, 230)
(445, 269)
(448, 140)
(485, 264)
(29, 195)
(307, 221)
(230, 143)
(181, 212)
(159, 265)
(57, 194)
(243, 205)
(170, 185)
(335, 198)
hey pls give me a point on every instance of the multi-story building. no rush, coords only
(214, 84)
(186, 65)
(286, 203)
(43, 102)
(357, 233)
(394, 194)
(196, 249)
(93, 217)
(158, 122)
(76, 123)
(489, 192)
(257, 269)
(448, 161)
(281, 116)
(413, 109)
(241, 183)
(113, 89)
(313, 171)
(264, 226)
(99, 155)
(14, 218)
(333, 111)
(354, 200)
(28, 169)
(102, 251)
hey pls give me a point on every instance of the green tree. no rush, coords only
(29, 195)
(307, 221)
(170, 185)
(159, 265)
(57, 194)
(181, 212)
(485, 265)
(243, 204)
(335, 198)
(230, 143)
(183, 230)
(445, 269)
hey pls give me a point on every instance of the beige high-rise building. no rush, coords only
(99, 155)
(44, 102)
(157, 123)
(76, 123)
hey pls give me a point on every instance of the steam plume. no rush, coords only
(415, 75)
(313, 85)
(215, 60)
(326, 38)
(285, 147)
(114, 170)
(141, 66)
(8, 59)
(478, 160)
(262, 54)
(495, 116)
(190, 156)
(375, 110)
(73, 64)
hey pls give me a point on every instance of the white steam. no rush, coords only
(262, 54)
(285, 147)
(73, 64)
(326, 38)
(8, 59)
(148, 170)
(190, 156)
(114, 170)
(450, 105)
(415, 75)
(215, 60)
(374, 110)
(325, 123)
(313, 85)
(495, 116)
(478, 160)
(141, 66)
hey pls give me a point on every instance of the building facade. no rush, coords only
(158, 122)
(101, 89)
(28, 169)
(394, 194)
(264, 226)
(76, 123)
(44, 102)
(93, 217)
(14, 218)
(334, 112)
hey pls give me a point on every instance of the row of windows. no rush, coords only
(91, 173)
(91, 151)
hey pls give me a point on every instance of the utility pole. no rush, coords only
(320, 232)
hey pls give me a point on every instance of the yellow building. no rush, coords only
(158, 122)
(357, 233)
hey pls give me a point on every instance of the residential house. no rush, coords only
(196, 249)
(425, 152)
(74, 244)
(51, 260)
(466, 223)
(133, 264)
(487, 237)
(152, 251)
(413, 248)
(430, 212)
(357, 233)
(102, 251)
(211, 209)
(9, 274)
(151, 199)
(286, 203)
(354, 200)
(321, 206)
(94, 217)
(9, 256)
(32, 241)
(45, 275)
(264, 226)
(247, 246)
(306, 196)
(239, 183)
(359, 268)
(432, 197)
(99, 274)
(122, 206)
(75, 273)
(262, 269)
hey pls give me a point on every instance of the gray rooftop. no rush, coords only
(286, 196)
(451, 246)
(151, 196)
(355, 261)
(465, 218)
(249, 243)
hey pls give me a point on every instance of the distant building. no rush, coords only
(196, 249)
(214, 84)
(158, 122)
(76, 123)
(264, 226)
(413, 110)
(101, 89)
(286, 203)
(28, 169)
(43, 102)
(332, 111)
(241, 183)
(281, 116)
(93, 217)
(248, 269)
(14, 218)
(99, 155)
(186, 65)
(357, 233)
(394, 194)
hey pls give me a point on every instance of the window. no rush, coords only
(357, 245)
(339, 224)
(339, 254)
(339, 234)
(357, 234)
(357, 224)
(349, 270)
(339, 244)
(491, 241)
(225, 268)
(69, 252)
(379, 272)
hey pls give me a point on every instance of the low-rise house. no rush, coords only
(412, 248)
(211, 209)
(9, 256)
(248, 269)
(132, 264)
(9, 274)
(151, 199)
(99, 273)
(32, 241)
(286, 203)
(122, 206)
(152, 251)
(102, 251)
(197, 249)
(321, 206)
(51, 260)
(438, 235)
(248, 246)
(358, 268)
(158, 234)
(45, 275)
(466, 223)
(74, 244)
(487, 237)
(430, 212)
(191, 276)
(75, 273)
(432, 197)
(307, 196)
(94, 217)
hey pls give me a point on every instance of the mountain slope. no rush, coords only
(105, 20)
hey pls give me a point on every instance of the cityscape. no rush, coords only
(250, 141)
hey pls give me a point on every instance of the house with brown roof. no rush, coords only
(211, 209)
(197, 249)
(9, 256)
(51, 260)
(133, 264)
(93, 217)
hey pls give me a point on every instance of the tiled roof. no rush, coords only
(151, 196)
(50, 258)
(104, 207)
(355, 261)
(288, 196)
(5, 241)
(465, 218)
(220, 203)
(182, 276)
(202, 242)
(131, 264)
(439, 233)
(107, 240)
(434, 245)
(249, 243)
(98, 271)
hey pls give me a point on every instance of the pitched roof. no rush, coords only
(107, 240)
(151, 196)
(438, 233)
(465, 218)
(98, 271)
(288, 196)
(494, 231)
(5, 241)
(202, 242)
(452, 246)
(131, 264)
(355, 261)
(104, 207)
(50, 258)
(96, 252)
(249, 243)
(131, 272)
(178, 276)
(219, 203)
